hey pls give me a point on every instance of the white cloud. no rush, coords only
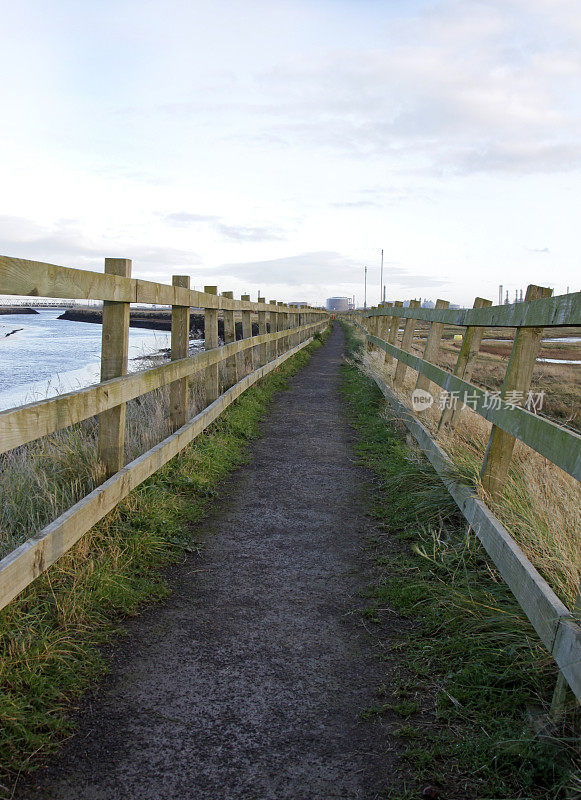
(258, 138)
(64, 243)
(317, 271)
(228, 232)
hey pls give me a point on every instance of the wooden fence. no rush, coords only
(558, 627)
(291, 329)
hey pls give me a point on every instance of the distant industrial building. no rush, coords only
(339, 304)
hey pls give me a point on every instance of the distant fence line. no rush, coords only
(557, 627)
(291, 329)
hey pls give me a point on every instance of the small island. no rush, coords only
(17, 310)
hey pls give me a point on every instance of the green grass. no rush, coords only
(474, 700)
(51, 636)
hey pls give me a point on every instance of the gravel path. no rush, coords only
(248, 682)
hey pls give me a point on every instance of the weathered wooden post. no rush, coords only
(394, 326)
(247, 355)
(211, 342)
(262, 331)
(372, 328)
(384, 333)
(516, 384)
(562, 690)
(114, 351)
(289, 327)
(280, 326)
(281, 319)
(180, 348)
(368, 322)
(406, 344)
(292, 326)
(274, 323)
(231, 371)
(466, 362)
(432, 345)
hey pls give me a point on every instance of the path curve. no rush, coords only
(248, 682)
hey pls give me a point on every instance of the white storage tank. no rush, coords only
(338, 303)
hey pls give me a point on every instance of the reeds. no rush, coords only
(42, 479)
(541, 504)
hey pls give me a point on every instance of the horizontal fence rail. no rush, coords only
(19, 276)
(32, 421)
(547, 312)
(556, 626)
(283, 331)
(558, 444)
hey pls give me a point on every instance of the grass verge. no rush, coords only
(474, 699)
(51, 636)
(540, 505)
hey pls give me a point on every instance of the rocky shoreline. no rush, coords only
(6, 310)
(153, 320)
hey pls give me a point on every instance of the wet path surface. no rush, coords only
(248, 682)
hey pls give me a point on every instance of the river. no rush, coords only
(48, 356)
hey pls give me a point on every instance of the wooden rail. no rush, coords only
(558, 444)
(107, 399)
(555, 624)
(549, 312)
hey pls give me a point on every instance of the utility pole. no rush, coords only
(381, 277)
(365, 295)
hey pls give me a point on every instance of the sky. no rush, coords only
(279, 145)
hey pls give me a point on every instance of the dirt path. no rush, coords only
(248, 682)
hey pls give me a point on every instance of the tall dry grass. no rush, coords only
(541, 504)
(42, 479)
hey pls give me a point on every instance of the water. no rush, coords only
(563, 339)
(559, 361)
(50, 356)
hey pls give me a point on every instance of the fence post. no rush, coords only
(247, 355)
(384, 334)
(394, 327)
(369, 321)
(262, 330)
(114, 350)
(379, 327)
(432, 346)
(374, 326)
(516, 383)
(292, 325)
(559, 700)
(211, 342)
(289, 324)
(406, 342)
(466, 361)
(231, 376)
(180, 348)
(274, 322)
(281, 326)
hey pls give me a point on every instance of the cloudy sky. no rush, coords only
(278, 145)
